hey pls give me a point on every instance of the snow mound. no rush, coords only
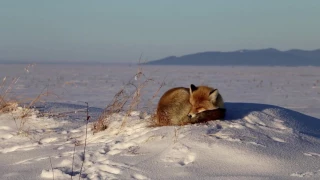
(256, 141)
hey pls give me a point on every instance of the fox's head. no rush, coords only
(203, 98)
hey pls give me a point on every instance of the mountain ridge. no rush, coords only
(259, 57)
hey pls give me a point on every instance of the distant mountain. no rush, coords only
(261, 57)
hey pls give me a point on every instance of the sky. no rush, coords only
(122, 31)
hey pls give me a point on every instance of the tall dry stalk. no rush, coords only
(153, 121)
(6, 87)
(135, 100)
(126, 99)
(7, 105)
(28, 107)
(85, 140)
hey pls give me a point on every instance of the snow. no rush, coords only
(271, 130)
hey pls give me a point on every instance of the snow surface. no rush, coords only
(271, 130)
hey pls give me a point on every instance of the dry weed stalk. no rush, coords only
(28, 108)
(85, 141)
(135, 99)
(176, 132)
(7, 104)
(121, 99)
(51, 168)
(153, 121)
(27, 112)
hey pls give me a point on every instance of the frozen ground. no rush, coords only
(272, 128)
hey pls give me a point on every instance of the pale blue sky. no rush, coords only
(119, 31)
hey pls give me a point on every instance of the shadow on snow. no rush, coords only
(297, 121)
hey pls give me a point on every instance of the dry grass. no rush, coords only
(9, 101)
(7, 105)
(153, 122)
(28, 108)
(127, 99)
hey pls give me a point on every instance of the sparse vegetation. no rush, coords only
(126, 99)
(10, 103)
(7, 105)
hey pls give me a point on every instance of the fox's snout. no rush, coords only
(191, 115)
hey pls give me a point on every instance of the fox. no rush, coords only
(180, 105)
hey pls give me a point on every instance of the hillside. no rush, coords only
(262, 57)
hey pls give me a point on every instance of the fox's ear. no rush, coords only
(193, 88)
(213, 95)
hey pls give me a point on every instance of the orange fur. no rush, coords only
(179, 106)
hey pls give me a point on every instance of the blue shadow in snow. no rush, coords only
(297, 121)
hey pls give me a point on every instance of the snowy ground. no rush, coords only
(271, 131)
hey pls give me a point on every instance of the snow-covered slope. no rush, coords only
(257, 140)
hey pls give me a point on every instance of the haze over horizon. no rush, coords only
(114, 31)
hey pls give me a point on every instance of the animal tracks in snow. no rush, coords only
(180, 154)
(121, 152)
(102, 163)
(252, 129)
(262, 121)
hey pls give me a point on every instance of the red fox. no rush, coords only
(179, 106)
